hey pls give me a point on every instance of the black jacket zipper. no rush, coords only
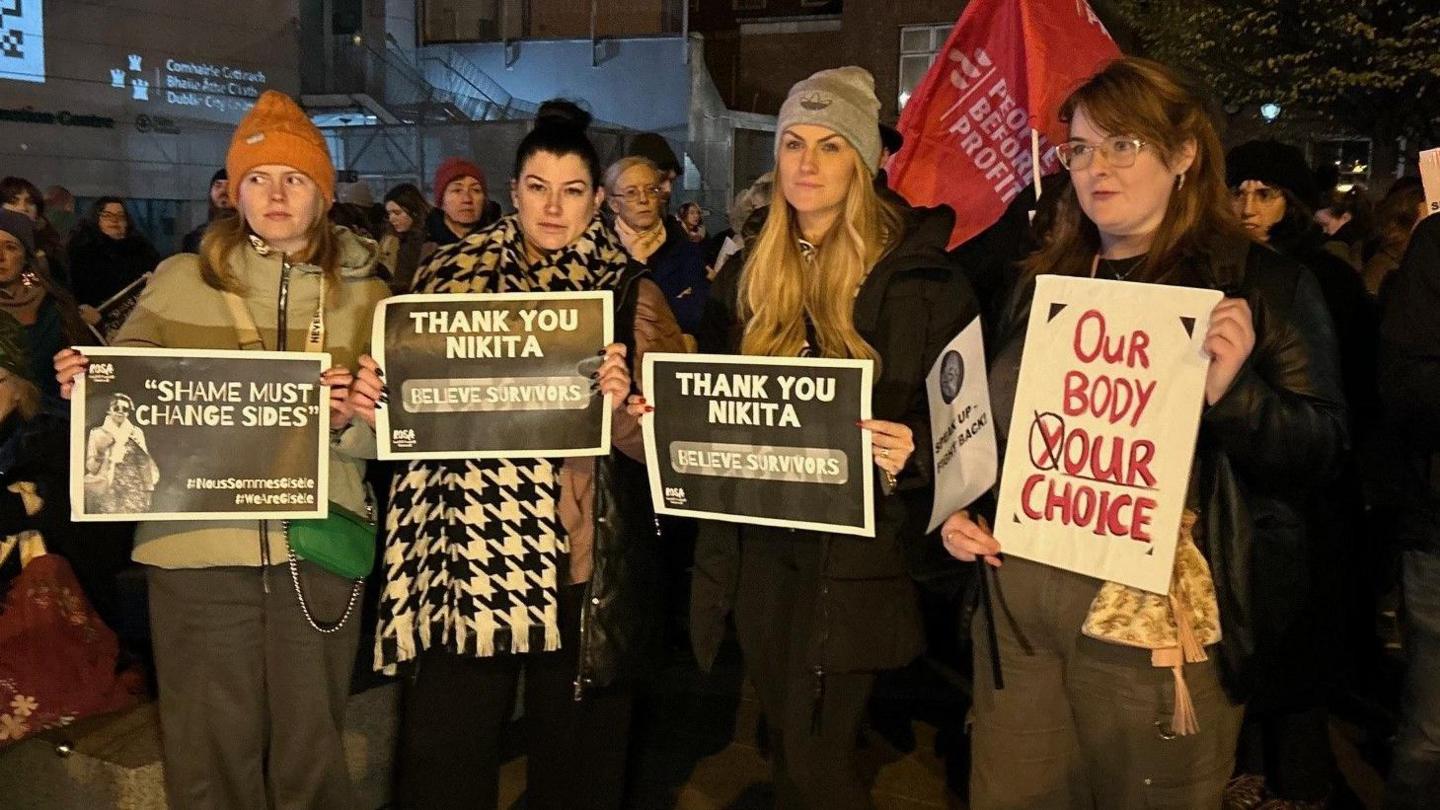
(282, 305)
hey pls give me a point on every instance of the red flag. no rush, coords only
(1005, 70)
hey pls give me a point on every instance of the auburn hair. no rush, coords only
(778, 291)
(1134, 96)
(227, 235)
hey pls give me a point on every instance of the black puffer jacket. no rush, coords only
(911, 305)
(101, 266)
(1263, 449)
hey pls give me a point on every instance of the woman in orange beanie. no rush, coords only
(253, 670)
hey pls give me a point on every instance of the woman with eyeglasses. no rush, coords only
(107, 253)
(635, 198)
(1081, 722)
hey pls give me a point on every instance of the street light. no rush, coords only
(1270, 111)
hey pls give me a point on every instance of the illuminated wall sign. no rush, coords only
(22, 40)
(185, 83)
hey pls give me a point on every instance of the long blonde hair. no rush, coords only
(226, 235)
(777, 290)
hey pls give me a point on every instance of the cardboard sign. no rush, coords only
(1430, 178)
(761, 440)
(962, 428)
(493, 375)
(1103, 433)
(189, 434)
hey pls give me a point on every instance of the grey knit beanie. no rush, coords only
(842, 99)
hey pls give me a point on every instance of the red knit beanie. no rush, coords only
(453, 169)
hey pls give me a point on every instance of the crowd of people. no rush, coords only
(1313, 497)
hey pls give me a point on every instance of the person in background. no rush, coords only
(1345, 217)
(835, 271)
(60, 211)
(219, 208)
(1395, 218)
(461, 203)
(48, 313)
(404, 248)
(653, 146)
(21, 196)
(551, 566)
(747, 202)
(252, 687)
(632, 188)
(106, 255)
(1284, 752)
(1410, 387)
(692, 221)
(1085, 723)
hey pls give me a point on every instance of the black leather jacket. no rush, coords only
(621, 621)
(1271, 441)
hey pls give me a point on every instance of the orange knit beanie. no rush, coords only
(277, 131)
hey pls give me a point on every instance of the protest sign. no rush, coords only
(1430, 179)
(117, 308)
(761, 440)
(493, 375)
(1103, 432)
(962, 429)
(189, 434)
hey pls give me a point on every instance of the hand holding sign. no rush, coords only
(1230, 340)
(368, 391)
(69, 364)
(968, 540)
(338, 380)
(613, 378)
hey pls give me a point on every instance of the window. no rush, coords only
(919, 44)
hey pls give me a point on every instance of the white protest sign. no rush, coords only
(1430, 177)
(1103, 433)
(962, 429)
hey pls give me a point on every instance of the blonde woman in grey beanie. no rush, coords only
(834, 272)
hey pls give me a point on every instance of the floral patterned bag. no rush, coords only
(57, 658)
(1175, 627)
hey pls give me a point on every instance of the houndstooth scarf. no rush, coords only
(473, 548)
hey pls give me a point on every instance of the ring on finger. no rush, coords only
(884, 452)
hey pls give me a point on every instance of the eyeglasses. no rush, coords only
(635, 193)
(119, 407)
(1262, 194)
(1119, 152)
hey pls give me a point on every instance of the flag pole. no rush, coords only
(1035, 161)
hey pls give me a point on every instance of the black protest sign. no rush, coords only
(761, 440)
(166, 434)
(493, 375)
(117, 308)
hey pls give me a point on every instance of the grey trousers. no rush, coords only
(252, 698)
(1082, 723)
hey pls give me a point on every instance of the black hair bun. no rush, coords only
(562, 113)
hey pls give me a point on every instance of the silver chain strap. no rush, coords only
(300, 593)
